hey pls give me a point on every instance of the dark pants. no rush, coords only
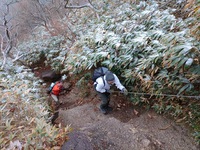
(105, 98)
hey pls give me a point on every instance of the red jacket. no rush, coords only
(56, 89)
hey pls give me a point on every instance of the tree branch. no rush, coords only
(8, 38)
(1, 43)
(82, 6)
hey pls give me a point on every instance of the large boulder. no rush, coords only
(50, 76)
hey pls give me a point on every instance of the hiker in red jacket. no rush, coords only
(56, 90)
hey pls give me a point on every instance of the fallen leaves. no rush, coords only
(121, 105)
(133, 130)
(136, 112)
(181, 119)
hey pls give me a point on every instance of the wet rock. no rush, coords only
(77, 141)
(50, 76)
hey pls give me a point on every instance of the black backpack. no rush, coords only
(99, 72)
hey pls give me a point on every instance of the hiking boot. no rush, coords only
(108, 108)
(103, 110)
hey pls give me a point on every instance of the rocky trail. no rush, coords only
(127, 127)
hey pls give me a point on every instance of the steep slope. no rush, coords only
(121, 129)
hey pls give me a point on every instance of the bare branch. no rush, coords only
(7, 39)
(1, 43)
(81, 6)
(18, 56)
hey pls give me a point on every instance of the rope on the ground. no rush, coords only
(165, 95)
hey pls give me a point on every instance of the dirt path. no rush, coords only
(122, 129)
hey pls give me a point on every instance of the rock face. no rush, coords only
(97, 131)
(77, 141)
(50, 76)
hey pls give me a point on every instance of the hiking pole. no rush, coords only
(165, 95)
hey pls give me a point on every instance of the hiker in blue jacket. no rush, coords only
(102, 86)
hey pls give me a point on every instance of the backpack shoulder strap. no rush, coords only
(103, 80)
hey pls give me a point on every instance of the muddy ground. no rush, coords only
(126, 127)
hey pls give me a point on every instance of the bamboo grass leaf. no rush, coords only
(184, 88)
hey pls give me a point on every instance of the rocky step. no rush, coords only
(93, 130)
(98, 131)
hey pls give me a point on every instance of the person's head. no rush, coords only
(110, 77)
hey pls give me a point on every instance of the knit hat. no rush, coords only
(110, 76)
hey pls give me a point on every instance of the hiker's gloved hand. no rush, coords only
(124, 91)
